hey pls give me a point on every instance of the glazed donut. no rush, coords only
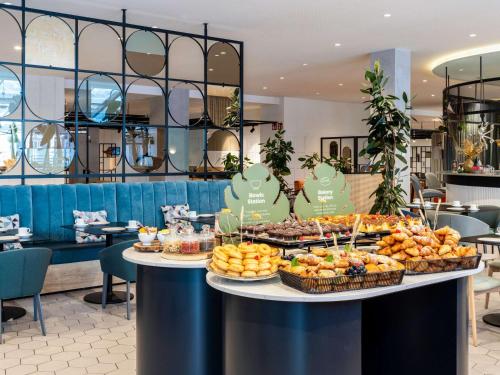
(264, 266)
(265, 259)
(274, 268)
(244, 248)
(250, 261)
(235, 254)
(264, 273)
(249, 274)
(235, 261)
(232, 273)
(236, 268)
(252, 256)
(265, 249)
(216, 269)
(252, 267)
(220, 254)
(221, 264)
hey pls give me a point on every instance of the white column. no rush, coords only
(396, 64)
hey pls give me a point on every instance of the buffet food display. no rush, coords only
(246, 261)
(324, 271)
(426, 251)
(369, 223)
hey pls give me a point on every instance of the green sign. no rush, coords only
(255, 197)
(325, 192)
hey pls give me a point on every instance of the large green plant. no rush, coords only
(277, 154)
(341, 164)
(232, 162)
(387, 141)
(233, 111)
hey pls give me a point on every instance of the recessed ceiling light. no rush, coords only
(317, 93)
(154, 27)
(7, 3)
(341, 84)
(282, 78)
(216, 55)
(264, 87)
(210, 69)
(18, 48)
(472, 35)
(433, 95)
(387, 15)
(222, 52)
(424, 81)
(337, 44)
(305, 64)
(363, 97)
(461, 69)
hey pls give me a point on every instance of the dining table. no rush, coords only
(109, 230)
(450, 208)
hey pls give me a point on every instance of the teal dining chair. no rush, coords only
(22, 274)
(112, 263)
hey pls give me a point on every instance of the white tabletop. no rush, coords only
(275, 290)
(155, 260)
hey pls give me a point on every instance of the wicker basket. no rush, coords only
(155, 247)
(342, 283)
(424, 266)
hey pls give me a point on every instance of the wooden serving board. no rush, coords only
(179, 256)
(155, 247)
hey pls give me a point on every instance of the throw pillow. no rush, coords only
(171, 214)
(9, 222)
(90, 217)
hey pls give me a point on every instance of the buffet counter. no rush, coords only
(178, 317)
(412, 328)
(478, 188)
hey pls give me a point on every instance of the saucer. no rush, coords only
(132, 228)
(99, 223)
(24, 236)
(455, 208)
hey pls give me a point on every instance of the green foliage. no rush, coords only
(232, 162)
(387, 141)
(277, 154)
(233, 112)
(341, 164)
(325, 192)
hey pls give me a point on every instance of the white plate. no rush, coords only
(456, 208)
(81, 226)
(206, 215)
(9, 238)
(132, 228)
(113, 229)
(24, 236)
(99, 223)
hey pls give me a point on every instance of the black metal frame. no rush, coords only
(121, 77)
(354, 165)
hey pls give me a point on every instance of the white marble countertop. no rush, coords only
(155, 260)
(275, 290)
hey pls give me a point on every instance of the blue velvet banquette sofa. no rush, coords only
(45, 208)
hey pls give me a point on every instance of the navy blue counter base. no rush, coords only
(179, 319)
(415, 332)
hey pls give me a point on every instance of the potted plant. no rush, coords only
(277, 154)
(231, 162)
(387, 141)
(233, 111)
(341, 164)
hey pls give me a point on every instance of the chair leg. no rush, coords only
(104, 289)
(40, 314)
(487, 299)
(35, 310)
(128, 300)
(472, 309)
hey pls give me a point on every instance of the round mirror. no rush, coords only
(222, 146)
(185, 149)
(223, 64)
(10, 145)
(10, 91)
(100, 98)
(50, 41)
(223, 106)
(49, 148)
(185, 104)
(145, 53)
(10, 38)
(145, 148)
(185, 59)
(108, 48)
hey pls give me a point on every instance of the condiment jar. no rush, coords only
(190, 243)
(207, 239)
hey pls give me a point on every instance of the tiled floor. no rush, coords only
(83, 339)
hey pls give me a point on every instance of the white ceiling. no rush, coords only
(281, 35)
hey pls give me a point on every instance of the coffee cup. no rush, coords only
(416, 201)
(23, 231)
(79, 222)
(456, 204)
(133, 223)
(473, 207)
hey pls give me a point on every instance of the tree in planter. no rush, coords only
(277, 153)
(233, 111)
(387, 140)
(232, 162)
(341, 164)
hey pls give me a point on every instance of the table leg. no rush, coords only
(111, 297)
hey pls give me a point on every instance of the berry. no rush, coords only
(328, 235)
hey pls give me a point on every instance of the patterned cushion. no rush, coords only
(171, 214)
(90, 217)
(9, 222)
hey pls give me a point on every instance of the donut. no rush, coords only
(232, 273)
(274, 268)
(249, 274)
(252, 267)
(265, 259)
(264, 266)
(216, 269)
(264, 273)
(252, 256)
(235, 261)
(236, 268)
(265, 249)
(220, 254)
(235, 254)
(221, 264)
